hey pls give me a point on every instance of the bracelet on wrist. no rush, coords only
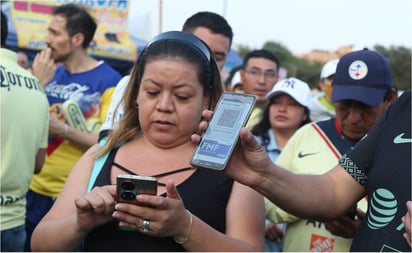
(188, 232)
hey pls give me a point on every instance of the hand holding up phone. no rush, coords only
(231, 114)
(249, 161)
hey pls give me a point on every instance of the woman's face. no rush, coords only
(286, 113)
(170, 101)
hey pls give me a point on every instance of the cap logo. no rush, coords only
(358, 70)
(289, 83)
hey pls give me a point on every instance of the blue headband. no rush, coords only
(185, 37)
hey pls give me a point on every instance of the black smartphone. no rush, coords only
(231, 114)
(129, 186)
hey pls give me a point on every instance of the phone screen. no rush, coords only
(231, 114)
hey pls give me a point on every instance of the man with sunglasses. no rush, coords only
(362, 91)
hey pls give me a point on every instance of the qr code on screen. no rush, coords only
(228, 118)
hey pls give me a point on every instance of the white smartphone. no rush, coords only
(231, 114)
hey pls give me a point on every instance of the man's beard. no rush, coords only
(62, 58)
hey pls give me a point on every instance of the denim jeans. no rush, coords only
(13, 239)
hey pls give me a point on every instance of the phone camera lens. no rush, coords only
(127, 195)
(127, 185)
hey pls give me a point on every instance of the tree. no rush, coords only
(400, 59)
(308, 71)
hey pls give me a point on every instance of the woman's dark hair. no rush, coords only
(261, 128)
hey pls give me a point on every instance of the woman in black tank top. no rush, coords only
(174, 80)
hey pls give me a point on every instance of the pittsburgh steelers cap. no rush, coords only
(363, 75)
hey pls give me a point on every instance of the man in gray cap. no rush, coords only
(362, 91)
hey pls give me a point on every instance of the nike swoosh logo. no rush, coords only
(399, 139)
(301, 155)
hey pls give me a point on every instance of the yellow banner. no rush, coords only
(112, 40)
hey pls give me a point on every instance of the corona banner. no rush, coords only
(31, 19)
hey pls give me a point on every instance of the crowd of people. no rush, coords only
(325, 172)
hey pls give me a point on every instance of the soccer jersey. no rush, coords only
(24, 130)
(91, 91)
(255, 117)
(314, 149)
(381, 162)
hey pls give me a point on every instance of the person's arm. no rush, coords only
(75, 212)
(76, 136)
(321, 197)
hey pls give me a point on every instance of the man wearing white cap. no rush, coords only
(322, 107)
(362, 91)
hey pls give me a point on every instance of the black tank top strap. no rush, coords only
(123, 168)
(172, 172)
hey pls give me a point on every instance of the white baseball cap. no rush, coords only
(297, 89)
(329, 68)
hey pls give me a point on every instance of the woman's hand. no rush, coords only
(162, 217)
(96, 207)
(56, 127)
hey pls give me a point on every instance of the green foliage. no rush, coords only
(296, 67)
(242, 50)
(399, 57)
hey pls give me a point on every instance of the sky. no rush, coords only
(299, 25)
